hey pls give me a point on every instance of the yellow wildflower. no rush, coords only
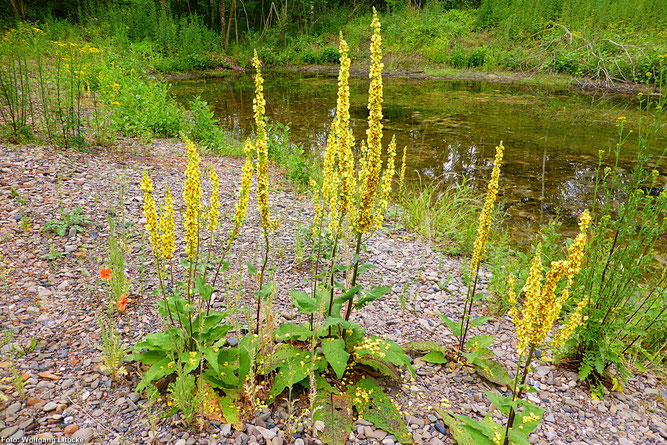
(150, 213)
(167, 226)
(192, 198)
(485, 217)
(401, 179)
(261, 149)
(345, 139)
(371, 162)
(542, 308)
(387, 177)
(331, 181)
(244, 193)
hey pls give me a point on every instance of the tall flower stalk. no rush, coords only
(160, 247)
(373, 187)
(481, 242)
(262, 154)
(543, 306)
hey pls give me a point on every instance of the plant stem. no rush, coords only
(261, 278)
(355, 272)
(467, 308)
(517, 391)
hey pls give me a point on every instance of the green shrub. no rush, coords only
(478, 57)
(458, 57)
(626, 298)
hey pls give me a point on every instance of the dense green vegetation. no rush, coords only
(599, 39)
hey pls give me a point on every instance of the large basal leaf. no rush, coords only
(247, 352)
(435, 357)
(502, 404)
(423, 347)
(166, 341)
(460, 435)
(479, 342)
(303, 302)
(384, 368)
(156, 371)
(292, 331)
(294, 370)
(493, 372)
(374, 406)
(230, 410)
(479, 321)
(335, 410)
(529, 417)
(210, 404)
(476, 431)
(336, 355)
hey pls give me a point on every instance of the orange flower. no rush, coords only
(122, 303)
(105, 274)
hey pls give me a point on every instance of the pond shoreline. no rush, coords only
(549, 81)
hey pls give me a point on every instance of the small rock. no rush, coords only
(267, 434)
(71, 429)
(50, 406)
(85, 435)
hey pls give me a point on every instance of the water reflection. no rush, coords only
(451, 130)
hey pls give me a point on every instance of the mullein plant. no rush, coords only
(194, 339)
(261, 153)
(353, 197)
(331, 356)
(545, 296)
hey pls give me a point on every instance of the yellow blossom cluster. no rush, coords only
(192, 198)
(542, 306)
(362, 397)
(387, 177)
(344, 136)
(371, 161)
(150, 213)
(375, 347)
(244, 193)
(261, 149)
(361, 199)
(487, 211)
(401, 179)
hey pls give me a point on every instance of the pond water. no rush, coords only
(451, 129)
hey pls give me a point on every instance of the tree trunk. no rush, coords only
(232, 11)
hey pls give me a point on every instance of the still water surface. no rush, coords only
(451, 129)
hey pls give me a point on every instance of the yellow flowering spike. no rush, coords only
(374, 132)
(331, 180)
(576, 250)
(344, 136)
(576, 319)
(167, 226)
(387, 178)
(244, 193)
(542, 308)
(150, 213)
(214, 205)
(401, 180)
(485, 217)
(371, 163)
(532, 290)
(261, 148)
(192, 198)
